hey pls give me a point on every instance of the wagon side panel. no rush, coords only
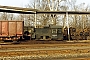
(20, 27)
(12, 28)
(0, 28)
(5, 28)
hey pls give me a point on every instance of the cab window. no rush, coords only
(54, 30)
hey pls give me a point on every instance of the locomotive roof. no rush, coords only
(56, 26)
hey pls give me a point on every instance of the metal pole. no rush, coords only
(83, 21)
(68, 26)
(35, 15)
(35, 20)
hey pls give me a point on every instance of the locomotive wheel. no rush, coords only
(26, 33)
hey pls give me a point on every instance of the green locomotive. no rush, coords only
(51, 32)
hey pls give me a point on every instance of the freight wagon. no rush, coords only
(76, 34)
(11, 30)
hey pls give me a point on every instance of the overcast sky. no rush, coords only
(22, 3)
(17, 3)
(87, 2)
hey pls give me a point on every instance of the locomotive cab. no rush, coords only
(56, 33)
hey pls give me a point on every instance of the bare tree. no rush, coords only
(46, 5)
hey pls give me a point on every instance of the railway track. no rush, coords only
(45, 54)
(44, 51)
(26, 42)
(45, 45)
